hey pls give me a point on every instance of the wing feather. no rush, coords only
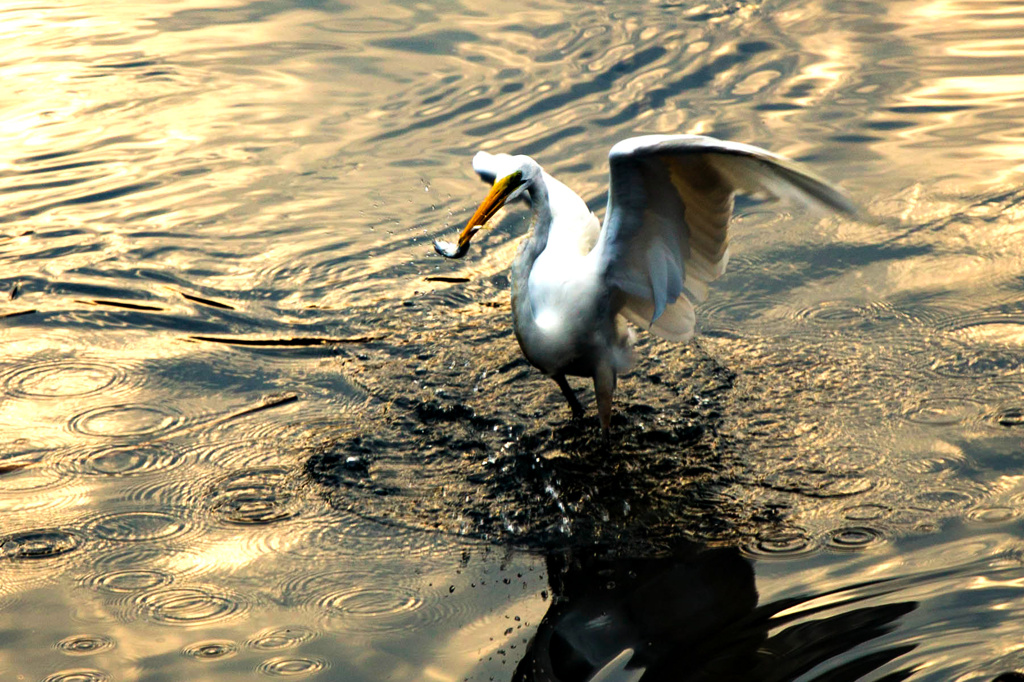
(665, 233)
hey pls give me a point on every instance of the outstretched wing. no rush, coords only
(665, 232)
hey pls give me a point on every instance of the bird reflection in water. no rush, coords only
(692, 615)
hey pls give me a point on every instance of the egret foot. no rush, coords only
(570, 396)
(604, 387)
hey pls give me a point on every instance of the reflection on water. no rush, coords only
(629, 618)
(251, 425)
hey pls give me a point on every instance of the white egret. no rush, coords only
(576, 283)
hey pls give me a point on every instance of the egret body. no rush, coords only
(577, 283)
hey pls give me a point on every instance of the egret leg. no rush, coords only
(604, 387)
(570, 396)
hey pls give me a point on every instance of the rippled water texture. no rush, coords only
(251, 426)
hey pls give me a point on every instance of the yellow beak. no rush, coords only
(495, 199)
(489, 206)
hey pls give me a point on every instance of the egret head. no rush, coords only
(511, 176)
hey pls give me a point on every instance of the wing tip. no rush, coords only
(631, 145)
(830, 197)
(833, 199)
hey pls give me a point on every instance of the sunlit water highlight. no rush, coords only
(251, 426)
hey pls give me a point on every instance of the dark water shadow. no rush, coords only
(692, 614)
(462, 436)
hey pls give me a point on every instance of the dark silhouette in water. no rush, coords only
(691, 615)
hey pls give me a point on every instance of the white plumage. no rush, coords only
(576, 282)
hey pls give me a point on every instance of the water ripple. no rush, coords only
(240, 454)
(190, 606)
(371, 603)
(211, 650)
(947, 500)
(994, 330)
(85, 645)
(993, 513)
(123, 460)
(849, 315)
(853, 538)
(1011, 417)
(43, 543)
(273, 639)
(820, 483)
(128, 581)
(865, 512)
(37, 489)
(937, 462)
(19, 455)
(781, 543)
(986, 345)
(158, 492)
(254, 496)
(973, 363)
(215, 134)
(366, 603)
(730, 312)
(944, 411)
(351, 535)
(65, 378)
(283, 666)
(126, 420)
(78, 675)
(904, 321)
(137, 526)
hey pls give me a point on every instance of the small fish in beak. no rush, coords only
(496, 198)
